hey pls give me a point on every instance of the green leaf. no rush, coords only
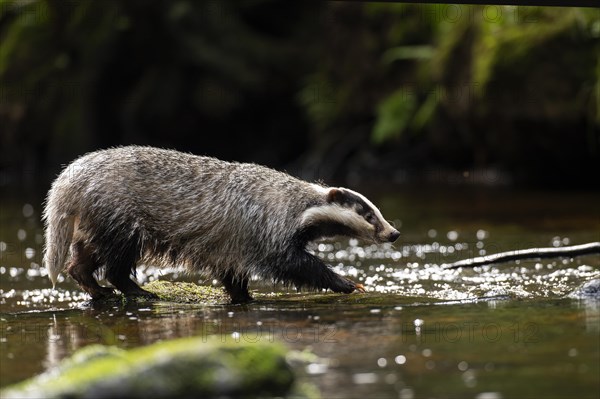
(408, 53)
(393, 115)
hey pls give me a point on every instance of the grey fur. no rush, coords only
(228, 220)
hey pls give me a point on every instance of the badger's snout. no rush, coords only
(393, 236)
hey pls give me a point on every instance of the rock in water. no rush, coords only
(590, 289)
(182, 368)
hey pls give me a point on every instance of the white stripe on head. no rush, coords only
(344, 215)
(371, 205)
(337, 214)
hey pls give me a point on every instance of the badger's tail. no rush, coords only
(59, 233)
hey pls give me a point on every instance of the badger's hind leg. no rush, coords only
(82, 268)
(119, 269)
(120, 278)
(236, 287)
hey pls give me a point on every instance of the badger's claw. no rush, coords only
(346, 286)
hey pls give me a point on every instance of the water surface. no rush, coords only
(505, 330)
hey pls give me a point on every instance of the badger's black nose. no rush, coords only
(394, 235)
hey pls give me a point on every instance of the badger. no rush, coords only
(110, 209)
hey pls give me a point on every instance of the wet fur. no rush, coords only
(228, 220)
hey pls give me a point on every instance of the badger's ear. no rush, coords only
(334, 195)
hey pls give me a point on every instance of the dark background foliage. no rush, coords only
(344, 91)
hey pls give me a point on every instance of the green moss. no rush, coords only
(90, 353)
(187, 292)
(183, 367)
(193, 294)
(180, 292)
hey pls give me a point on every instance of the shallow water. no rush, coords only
(505, 330)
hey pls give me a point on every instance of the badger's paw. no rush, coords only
(346, 286)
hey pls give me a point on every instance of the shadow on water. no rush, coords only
(420, 331)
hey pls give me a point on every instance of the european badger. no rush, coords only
(229, 220)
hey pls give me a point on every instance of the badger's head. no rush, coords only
(346, 213)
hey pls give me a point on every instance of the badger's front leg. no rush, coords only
(307, 271)
(236, 287)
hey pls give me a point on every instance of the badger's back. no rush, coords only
(177, 208)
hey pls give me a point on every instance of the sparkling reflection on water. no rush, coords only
(500, 331)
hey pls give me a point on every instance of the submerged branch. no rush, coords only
(531, 253)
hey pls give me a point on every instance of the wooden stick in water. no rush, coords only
(531, 253)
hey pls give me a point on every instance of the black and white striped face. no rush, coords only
(349, 213)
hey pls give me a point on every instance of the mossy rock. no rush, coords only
(194, 294)
(182, 368)
(180, 292)
(187, 292)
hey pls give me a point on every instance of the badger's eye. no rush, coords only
(370, 217)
